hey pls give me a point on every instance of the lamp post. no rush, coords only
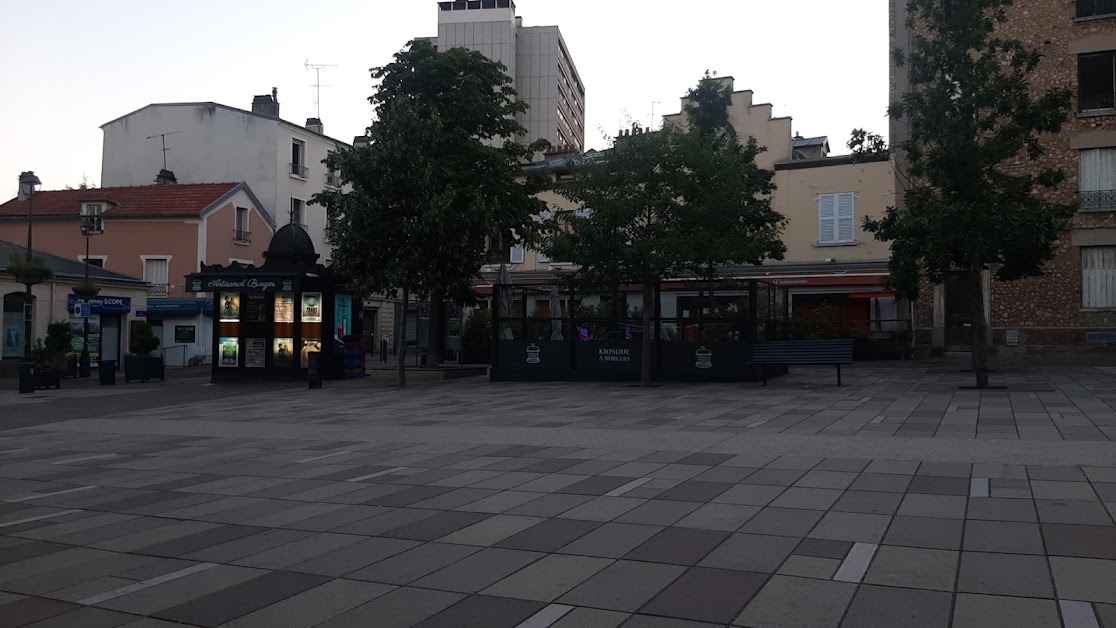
(88, 226)
(28, 184)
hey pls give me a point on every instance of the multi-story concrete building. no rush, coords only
(1073, 305)
(208, 143)
(536, 57)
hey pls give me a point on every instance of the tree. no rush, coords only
(976, 200)
(435, 184)
(866, 144)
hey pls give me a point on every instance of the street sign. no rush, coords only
(141, 313)
(85, 310)
(77, 310)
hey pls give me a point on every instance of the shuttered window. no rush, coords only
(156, 271)
(1098, 179)
(837, 218)
(1098, 276)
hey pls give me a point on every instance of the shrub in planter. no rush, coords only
(51, 360)
(139, 363)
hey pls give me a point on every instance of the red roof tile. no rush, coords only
(164, 201)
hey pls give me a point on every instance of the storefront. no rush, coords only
(185, 327)
(271, 318)
(105, 329)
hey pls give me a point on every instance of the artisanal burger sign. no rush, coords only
(241, 284)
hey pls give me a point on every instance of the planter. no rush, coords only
(46, 377)
(144, 368)
(476, 356)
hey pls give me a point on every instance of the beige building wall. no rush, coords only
(796, 197)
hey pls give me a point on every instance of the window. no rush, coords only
(333, 177)
(1098, 276)
(837, 218)
(1090, 8)
(1098, 179)
(96, 261)
(1096, 78)
(156, 272)
(241, 234)
(296, 212)
(93, 212)
(298, 159)
(516, 254)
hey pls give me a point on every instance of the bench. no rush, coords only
(804, 352)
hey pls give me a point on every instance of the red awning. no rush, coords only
(871, 295)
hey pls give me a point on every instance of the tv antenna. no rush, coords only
(317, 68)
(164, 149)
(653, 103)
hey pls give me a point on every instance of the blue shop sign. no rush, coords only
(178, 307)
(103, 304)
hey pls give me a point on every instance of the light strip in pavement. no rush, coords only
(856, 563)
(52, 515)
(28, 498)
(145, 584)
(546, 617)
(377, 474)
(333, 455)
(1078, 614)
(978, 487)
(634, 484)
(96, 457)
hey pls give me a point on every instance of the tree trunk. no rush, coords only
(712, 305)
(436, 336)
(980, 330)
(645, 336)
(401, 367)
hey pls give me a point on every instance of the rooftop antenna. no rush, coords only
(164, 149)
(653, 103)
(317, 68)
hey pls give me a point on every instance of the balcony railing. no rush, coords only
(300, 170)
(333, 180)
(243, 237)
(1098, 200)
(158, 289)
(1096, 102)
(1091, 8)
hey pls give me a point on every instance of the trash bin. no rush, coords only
(26, 377)
(107, 371)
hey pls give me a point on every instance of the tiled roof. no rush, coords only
(806, 142)
(60, 266)
(160, 201)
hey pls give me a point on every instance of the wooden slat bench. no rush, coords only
(804, 352)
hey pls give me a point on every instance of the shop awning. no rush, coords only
(872, 295)
(179, 307)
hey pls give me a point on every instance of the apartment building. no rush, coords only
(1072, 306)
(537, 59)
(208, 142)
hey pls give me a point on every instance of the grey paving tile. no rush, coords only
(788, 601)
(590, 618)
(679, 546)
(602, 508)
(651, 621)
(929, 532)
(298, 551)
(980, 611)
(549, 505)
(939, 485)
(709, 459)
(548, 578)
(695, 491)
(172, 530)
(888, 483)
(942, 506)
(730, 475)
(314, 606)
(456, 498)
(823, 548)
(1106, 613)
(945, 469)
(390, 520)
(611, 540)
(1073, 512)
(596, 485)
(47, 563)
(827, 479)
(352, 557)
(55, 579)
(401, 608)
(85, 618)
(1004, 574)
(246, 546)
(201, 540)
(868, 502)
(179, 591)
(775, 477)
(500, 502)
(1055, 473)
(1081, 541)
(1084, 579)
(809, 498)
(1013, 537)
(809, 567)
(478, 571)
(750, 552)
(240, 599)
(847, 526)
(549, 535)
(916, 568)
(661, 512)
(1044, 489)
(750, 495)
(783, 522)
(726, 517)
(902, 467)
(491, 530)
(623, 586)
(875, 606)
(481, 611)
(710, 595)
(1000, 509)
(847, 465)
(414, 563)
(437, 526)
(29, 610)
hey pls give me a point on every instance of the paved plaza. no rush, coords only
(896, 500)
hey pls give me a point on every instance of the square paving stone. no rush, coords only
(659, 512)
(982, 611)
(945, 469)
(887, 483)
(809, 498)
(32, 609)
(590, 618)
(711, 460)
(623, 586)
(1001, 509)
(482, 611)
(479, 570)
(944, 506)
(849, 526)
(823, 548)
(927, 532)
(801, 602)
(1081, 541)
(401, 608)
(548, 578)
(730, 475)
(352, 557)
(602, 508)
(409, 496)
(437, 526)
(775, 477)
(1073, 512)
(1011, 537)
(314, 606)
(1084, 579)
(869, 502)
(678, 546)
(500, 502)
(279, 557)
(491, 530)
(695, 491)
(1004, 574)
(414, 563)
(912, 567)
(751, 552)
(1042, 489)
(826, 479)
(549, 505)
(875, 607)
(651, 621)
(727, 517)
(1056, 473)
(848, 465)
(747, 495)
(611, 540)
(240, 599)
(937, 485)
(711, 595)
(1106, 613)
(549, 535)
(898, 467)
(88, 617)
(596, 485)
(809, 567)
(783, 522)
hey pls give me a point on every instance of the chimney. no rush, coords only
(166, 177)
(315, 125)
(518, 22)
(267, 104)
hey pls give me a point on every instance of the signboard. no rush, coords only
(241, 283)
(1100, 337)
(342, 316)
(229, 307)
(255, 309)
(284, 307)
(185, 334)
(312, 307)
(85, 310)
(228, 350)
(534, 354)
(309, 345)
(141, 313)
(283, 352)
(608, 355)
(102, 304)
(255, 353)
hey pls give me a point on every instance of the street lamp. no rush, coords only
(88, 228)
(28, 185)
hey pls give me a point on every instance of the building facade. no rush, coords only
(158, 233)
(1073, 305)
(536, 58)
(208, 142)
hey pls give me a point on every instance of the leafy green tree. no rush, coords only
(976, 200)
(436, 183)
(866, 144)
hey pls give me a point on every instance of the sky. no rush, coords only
(69, 66)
